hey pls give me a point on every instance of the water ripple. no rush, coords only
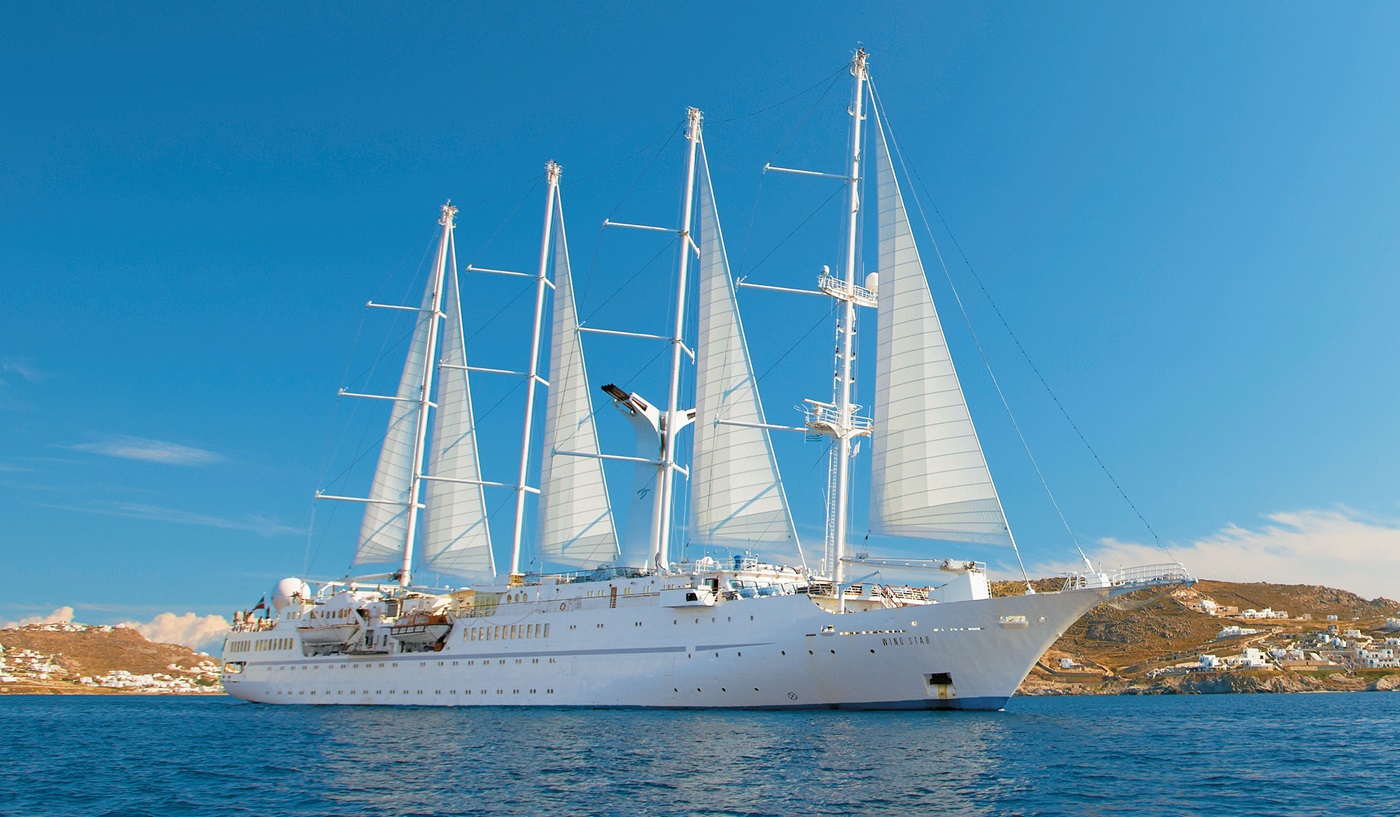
(1127, 757)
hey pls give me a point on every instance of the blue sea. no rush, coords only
(1183, 755)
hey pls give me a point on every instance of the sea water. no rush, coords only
(1181, 755)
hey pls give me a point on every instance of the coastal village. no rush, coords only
(1213, 637)
(67, 658)
(1227, 637)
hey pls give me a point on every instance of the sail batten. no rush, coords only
(576, 528)
(457, 537)
(929, 476)
(736, 493)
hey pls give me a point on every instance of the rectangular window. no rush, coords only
(512, 631)
(546, 631)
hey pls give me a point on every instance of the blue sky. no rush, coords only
(1189, 216)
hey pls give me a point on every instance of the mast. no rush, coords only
(425, 391)
(845, 380)
(674, 420)
(552, 172)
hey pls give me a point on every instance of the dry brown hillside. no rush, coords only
(1122, 643)
(93, 651)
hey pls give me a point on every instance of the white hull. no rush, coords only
(765, 652)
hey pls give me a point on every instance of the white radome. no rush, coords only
(286, 589)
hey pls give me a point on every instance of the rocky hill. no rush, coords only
(1139, 643)
(76, 658)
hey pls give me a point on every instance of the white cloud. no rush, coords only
(261, 525)
(140, 448)
(1340, 548)
(62, 615)
(22, 367)
(195, 632)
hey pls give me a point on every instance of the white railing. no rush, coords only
(836, 287)
(1128, 579)
(1151, 575)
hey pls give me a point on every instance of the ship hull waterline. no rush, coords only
(779, 652)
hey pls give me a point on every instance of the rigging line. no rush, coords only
(674, 130)
(823, 456)
(510, 392)
(391, 344)
(480, 251)
(505, 307)
(777, 105)
(821, 320)
(593, 265)
(310, 534)
(803, 121)
(1005, 325)
(332, 447)
(533, 180)
(628, 282)
(667, 135)
(802, 224)
(753, 217)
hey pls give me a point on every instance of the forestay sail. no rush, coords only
(384, 532)
(736, 494)
(929, 478)
(457, 539)
(575, 520)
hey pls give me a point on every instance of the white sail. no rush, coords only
(575, 520)
(457, 539)
(384, 532)
(929, 478)
(736, 494)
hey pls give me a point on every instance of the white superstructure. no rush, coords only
(626, 625)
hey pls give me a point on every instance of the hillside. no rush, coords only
(56, 658)
(1135, 644)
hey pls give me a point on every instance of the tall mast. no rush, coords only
(552, 172)
(846, 379)
(426, 389)
(675, 419)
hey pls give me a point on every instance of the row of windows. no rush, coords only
(506, 631)
(486, 662)
(261, 645)
(420, 692)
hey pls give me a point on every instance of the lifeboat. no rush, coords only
(336, 626)
(421, 628)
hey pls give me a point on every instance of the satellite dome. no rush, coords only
(286, 590)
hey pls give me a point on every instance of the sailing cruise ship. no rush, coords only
(623, 622)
